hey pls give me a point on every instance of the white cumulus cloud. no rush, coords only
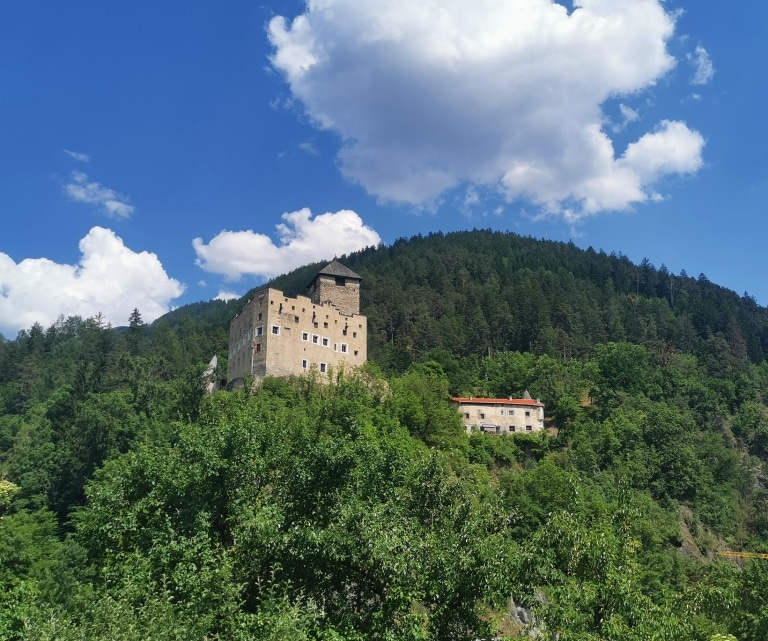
(83, 191)
(429, 95)
(704, 70)
(110, 278)
(301, 240)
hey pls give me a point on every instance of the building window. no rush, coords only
(326, 342)
(257, 348)
(344, 348)
(340, 281)
(304, 364)
(354, 334)
(259, 316)
(355, 352)
(511, 428)
(528, 428)
(315, 324)
(259, 331)
(323, 368)
(466, 414)
(344, 331)
(527, 413)
(276, 330)
(325, 325)
(295, 319)
(293, 308)
(335, 347)
(305, 336)
(482, 414)
(315, 338)
(501, 412)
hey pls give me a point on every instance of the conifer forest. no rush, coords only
(135, 505)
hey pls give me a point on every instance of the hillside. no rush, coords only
(134, 506)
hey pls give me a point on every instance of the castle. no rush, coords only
(274, 335)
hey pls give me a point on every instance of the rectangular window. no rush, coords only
(482, 414)
(335, 347)
(315, 324)
(323, 368)
(528, 428)
(325, 325)
(340, 282)
(354, 334)
(257, 348)
(295, 319)
(259, 316)
(326, 342)
(511, 428)
(501, 412)
(344, 348)
(276, 330)
(305, 336)
(527, 413)
(259, 331)
(315, 338)
(304, 364)
(355, 352)
(344, 331)
(466, 414)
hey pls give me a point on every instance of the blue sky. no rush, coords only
(157, 154)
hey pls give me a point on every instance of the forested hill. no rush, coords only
(478, 292)
(134, 505)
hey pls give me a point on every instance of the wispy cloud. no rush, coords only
(225, 295)
(627, 115)
(302, 240)
(392, 79)
(109, 278)
(309, 148)
(77, 155)
(704, 69)
(83, 191)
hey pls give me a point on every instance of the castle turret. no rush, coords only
(337, 285)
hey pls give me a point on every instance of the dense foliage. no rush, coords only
(135, 506)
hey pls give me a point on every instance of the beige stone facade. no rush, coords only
(275, 335)
(501, 415)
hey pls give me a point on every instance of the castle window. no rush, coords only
(259, 331)
(326, 342)
(355, 352)
(344, 348)
(340, 281)
(315, 338)
(276, 330)
(323, 368)
(482, 414)
(511, 412)
(304, 364)
(315, 324)
(325, 325)
(466, 414)
(257, 348)
(293, 308)
(259, 316)
(335, 347)
(501, 412)
(511, 428)
(354, 334)
(527, 413)
(295, 319)
(305, 336)
(344, 331)
(528, 428)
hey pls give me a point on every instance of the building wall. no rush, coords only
(507, 417)
(345, 297)
(275, 335)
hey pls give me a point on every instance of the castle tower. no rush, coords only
(337, 285)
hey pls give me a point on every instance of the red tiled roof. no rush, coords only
(498, 401)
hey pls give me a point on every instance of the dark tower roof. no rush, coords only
(335, 268)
